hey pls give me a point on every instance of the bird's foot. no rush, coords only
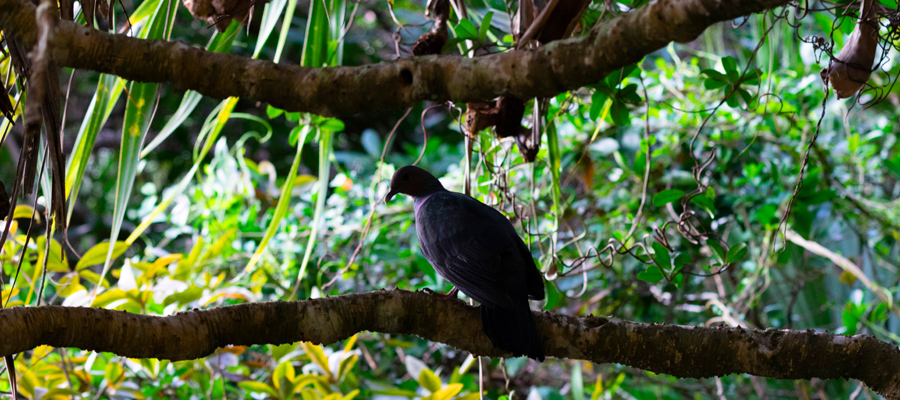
(451, 295)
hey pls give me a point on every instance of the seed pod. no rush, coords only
(852, 67)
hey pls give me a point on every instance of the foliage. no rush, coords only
(658, 196)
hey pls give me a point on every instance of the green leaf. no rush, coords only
(893, 165)
(667, 196)
(315, 44)
(331, 124)
(257, 387)
(731, 69)
(485, 26)
(283, 375)
(716, 249)
(325, 144)
(652, 274)
(114, 373)
(554, 161)
(711, 84)
(97, 254)
(273, 112)
(429, 381)
(766, 215)
(447, 392)
(145, 10)
(188, 103)
(732, 99)
(850, 319)
(270, 16)
(141, 100)
(285, 28)
(661, 256)
(577, 382)
(705, 203)
(681, 260)
(466, 30)
(109, 87)
(736, 253)
(879, 313)
(553, 295)
(628, 94)
(745, 96)
(317, 354)
(715, 76)
(619, 112)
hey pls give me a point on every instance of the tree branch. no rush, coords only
(681, 351)
(543, 72)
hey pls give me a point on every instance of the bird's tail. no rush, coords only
(513, 331)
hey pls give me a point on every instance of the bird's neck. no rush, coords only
(424, 195)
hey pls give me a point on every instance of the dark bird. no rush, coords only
(477, 249)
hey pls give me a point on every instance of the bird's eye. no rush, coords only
(405, 177)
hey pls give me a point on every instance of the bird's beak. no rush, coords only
(390, 194)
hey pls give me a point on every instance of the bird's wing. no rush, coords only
(473, 246)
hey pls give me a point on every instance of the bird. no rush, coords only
(477, 249)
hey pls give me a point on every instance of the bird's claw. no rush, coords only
(445, 296)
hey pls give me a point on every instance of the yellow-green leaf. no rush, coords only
(26, 212)
(257, 387)
(283, 375)
(114, 373)
(317, 355)
(446, 393)
(430, 381)
(97, 254)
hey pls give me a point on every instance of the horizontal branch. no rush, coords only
(681, 351)
(547, 71)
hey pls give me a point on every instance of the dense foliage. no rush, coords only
(668, 192)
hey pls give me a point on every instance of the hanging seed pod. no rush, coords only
(433, 42)
(852, 67)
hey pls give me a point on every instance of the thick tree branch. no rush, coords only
(544, 72)
(682, 351)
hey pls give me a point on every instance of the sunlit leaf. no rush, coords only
(97, 254)
(315, 353)
(429, 380)
(257, 387)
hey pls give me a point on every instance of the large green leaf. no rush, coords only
(109, 88)
(138, 114)
(325, 136)
(285, 28)
(315, 46)
(270, 16)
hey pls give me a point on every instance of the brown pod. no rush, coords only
(852, 67)
(433, 42)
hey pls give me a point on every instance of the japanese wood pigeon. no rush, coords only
(477, 249)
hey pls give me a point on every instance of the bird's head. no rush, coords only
(413, 181)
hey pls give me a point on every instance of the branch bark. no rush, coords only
(681, 351)
(544, 72)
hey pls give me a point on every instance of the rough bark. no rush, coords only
(681, 351)
(544, 72)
